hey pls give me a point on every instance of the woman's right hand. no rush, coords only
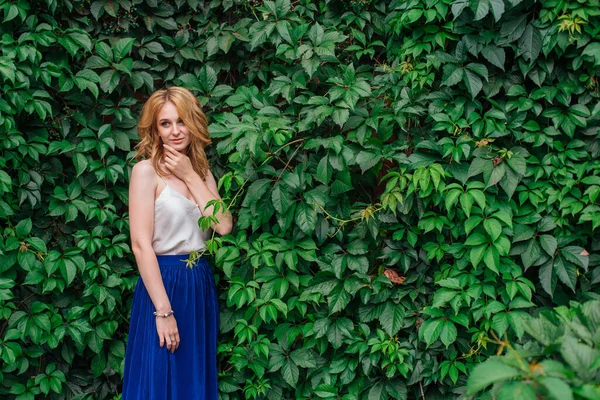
(167, 332)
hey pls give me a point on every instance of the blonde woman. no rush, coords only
(171, 348)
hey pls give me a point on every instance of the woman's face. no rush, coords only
(171, 128)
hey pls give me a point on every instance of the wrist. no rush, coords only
(163, 315)
(192, 178)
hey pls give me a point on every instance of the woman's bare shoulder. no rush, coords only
(144, 168)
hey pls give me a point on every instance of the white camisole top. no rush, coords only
(176, 229)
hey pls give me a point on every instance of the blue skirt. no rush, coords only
(154, 373)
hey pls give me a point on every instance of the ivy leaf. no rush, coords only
(547, 277)
(566, 272)
(487, 373)
(453, 74)
(81, 163)
(495, 55)
(23, 228)
(495, 175)
(366, 160)
(473, 83)
(109, 80)
(530, 43)
(493, 228)
(593, 50)
(449, 333)
(497, 8)
(306, 217)
(458, 7)
(392, 318)
(290, 372)
(557, 389)
(579, 356)
(122, 48)
(431, 330)
(549, 244)
(376, 392)
(483, 8)
(256, 190)
(338, 300)
(281, 199)
(207, 79)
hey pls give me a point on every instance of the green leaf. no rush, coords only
(281, 199)
(473, 83)
(476, 254)
(530, 43)
(566, 272)
(497, 9)
(306, 217)
(392, 318)
(557, 389)
(494, 54)
(449, 333)
(579, 356)
(81, 163)
(367, 160)
(207, 78)
(593, 50)
(495, 175)
(443, 296)
(483, 8)
(376, 391)
(517, 391)
(23, 228)
(290, 372)
(492, 259)
(493, 228)
(109, 80)
(431, 330)
(487, 373)
(122, 48)
(549, 244)
(256, 190)
(338, 300)
(453, 74)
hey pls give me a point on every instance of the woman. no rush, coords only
(171, 349)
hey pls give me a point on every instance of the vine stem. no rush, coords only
(343, 221)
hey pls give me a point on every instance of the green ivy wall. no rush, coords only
(411, 180)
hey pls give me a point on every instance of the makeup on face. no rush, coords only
(171, 128)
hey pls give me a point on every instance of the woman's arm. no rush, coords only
(202, 192)
(142, 187)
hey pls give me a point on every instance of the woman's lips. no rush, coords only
(177, 141)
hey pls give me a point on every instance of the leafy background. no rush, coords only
(415, 184)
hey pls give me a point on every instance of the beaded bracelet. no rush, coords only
(165, 315)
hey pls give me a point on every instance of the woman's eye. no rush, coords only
(165, 124)
(180, 122)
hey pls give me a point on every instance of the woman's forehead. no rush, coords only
(168, 111)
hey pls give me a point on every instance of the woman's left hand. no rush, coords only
(178, 164)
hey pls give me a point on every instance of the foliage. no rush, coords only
(410, 180)
(561, 362)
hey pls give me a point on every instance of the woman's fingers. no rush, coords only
(171, 340)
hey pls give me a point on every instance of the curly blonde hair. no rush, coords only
(190, 111)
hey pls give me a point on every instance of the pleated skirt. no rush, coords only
(154, 373)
